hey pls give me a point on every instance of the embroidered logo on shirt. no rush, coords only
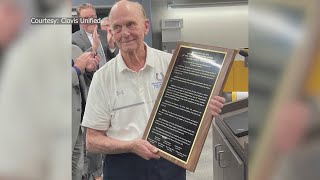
(156, 85)
(159, 77)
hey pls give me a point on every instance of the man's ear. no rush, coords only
(147, 26)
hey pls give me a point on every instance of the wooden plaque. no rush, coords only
(180, 119)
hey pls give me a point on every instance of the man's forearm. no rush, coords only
(99, 143)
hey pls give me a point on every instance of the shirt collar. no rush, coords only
(88, 34)
(149, 60)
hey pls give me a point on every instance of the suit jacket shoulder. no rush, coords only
(81, 39)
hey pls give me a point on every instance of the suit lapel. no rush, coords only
(85, 39)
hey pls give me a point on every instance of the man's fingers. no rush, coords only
(95, 62)
(151, 147)
(95, 33)
(216, 103)
(214, 114)
(220, 99)
(146, 158)
(153, 150)
(98, 58)
(84, 55)
(91, 54)
(95, 30)
(155, 156)
(151, 155)
(145, 150)
(215, 109)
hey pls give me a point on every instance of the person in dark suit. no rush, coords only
(91, 38)
(80, 62)
(84, 38)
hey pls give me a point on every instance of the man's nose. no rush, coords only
(125, 31)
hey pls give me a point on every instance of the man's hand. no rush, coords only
(98, 178)
(216, 104)
(110, 40)
(144, 149)
(96, 40)
(92, 65)
(83, 60)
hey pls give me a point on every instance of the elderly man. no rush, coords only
(121, 98)
(105, 24)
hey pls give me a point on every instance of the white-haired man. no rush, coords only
(121, 99)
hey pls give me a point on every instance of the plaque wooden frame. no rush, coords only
(206, 120)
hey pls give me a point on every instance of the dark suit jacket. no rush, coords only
(81, 39)
(79, 95)
(92, 162)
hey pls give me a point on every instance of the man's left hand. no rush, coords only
(96, 40)
(98, 178)
(216, 104)
(110, 40)
(92, 65)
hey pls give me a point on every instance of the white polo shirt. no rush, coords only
(120, 100)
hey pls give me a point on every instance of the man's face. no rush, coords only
(129, 28)
(105, 25)
(88, 13)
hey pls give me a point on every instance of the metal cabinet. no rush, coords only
(227, 165)
(217, 141)
(233, 165)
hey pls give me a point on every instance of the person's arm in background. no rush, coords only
(111, 42)
(85, 62)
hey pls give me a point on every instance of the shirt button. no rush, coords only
(78, 109)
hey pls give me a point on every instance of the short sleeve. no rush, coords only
(97, 113)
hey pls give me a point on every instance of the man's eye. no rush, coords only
(131, 25)
(117, 27)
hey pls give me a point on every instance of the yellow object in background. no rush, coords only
(238, 78)
(235, 96)
(313, 78)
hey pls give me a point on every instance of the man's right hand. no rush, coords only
(144, 149)
(92, 65)
(96, 40)
(83, 60)
(110, 40)
(87, 61)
